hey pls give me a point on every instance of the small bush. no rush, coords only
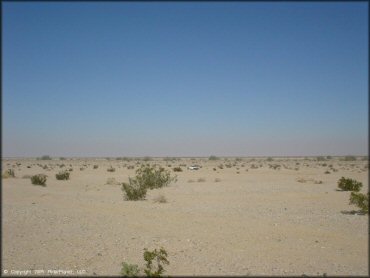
(217, 180)
(327, 172)
(111, 169)
(160, 199)
(320, 158)
(134, 191)
(129, 270)
(39, 179)
(156, 256)
(160, 257)
(95, 166)
(8, 174)
(62, 158)
(360, 200)
(177, 169)
(349, 184)
(112, 181)
(201, 180)
(269, 159)
(213, 157)
(152, 177)
(63, 175)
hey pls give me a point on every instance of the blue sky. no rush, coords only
(185, 79)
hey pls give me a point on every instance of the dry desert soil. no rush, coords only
(245, 219)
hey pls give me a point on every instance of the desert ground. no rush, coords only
(249, 218)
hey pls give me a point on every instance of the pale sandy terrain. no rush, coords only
(256, 222)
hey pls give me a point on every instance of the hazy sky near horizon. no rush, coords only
(184, 79)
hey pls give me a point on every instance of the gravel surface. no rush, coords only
(258, 222)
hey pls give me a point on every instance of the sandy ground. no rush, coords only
(252, 222)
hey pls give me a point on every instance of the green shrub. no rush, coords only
(360, 200)
(95, 167)
(151, 270)
(133, 190)
(63, 175)
(152, 177)
(39, 179)
(8, 174)
(177, 169)
(320, 158)
(129, 270)
(349, 184)
(269, 159)
(160, 257)
(213, 157)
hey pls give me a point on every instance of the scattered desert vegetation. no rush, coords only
(199, 202)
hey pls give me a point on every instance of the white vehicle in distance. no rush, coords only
(194, 167)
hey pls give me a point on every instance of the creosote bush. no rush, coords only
(152, 177)
(95, 166)
(63, 175)
(129, 270)
(213, 157)
(39, 179)
(349, 184)
(133, 190)
(8, 174)
(147, 177)
(360, 200)
(177, 169)
(155, 260)
(159, 257)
